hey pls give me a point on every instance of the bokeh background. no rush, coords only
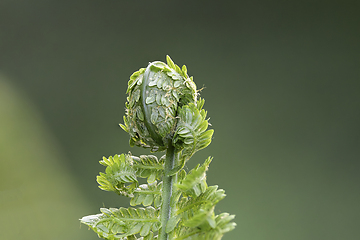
(281, 81)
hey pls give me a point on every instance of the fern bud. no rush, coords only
(155, 94)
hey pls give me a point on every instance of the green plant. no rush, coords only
(163, 114)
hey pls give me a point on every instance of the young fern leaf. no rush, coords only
(211, 196)
(149, 166)
(194, 182)
(193, 212)
(147, 194)
(223, 225)
(191, 134)
(119, 175)
(119, 223)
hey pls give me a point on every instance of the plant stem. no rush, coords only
(167, 208)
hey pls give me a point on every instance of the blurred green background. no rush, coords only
(282, 84)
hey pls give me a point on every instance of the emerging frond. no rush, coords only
(194, 182)
(211, 196)
(119, 175)
(171, 64)
(223, 225)
(193, 212)
(124, 223)
(149, 166)
(200, 103)
(146, 194)
(135, 78)
(191, 135)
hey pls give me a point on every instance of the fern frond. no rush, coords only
(146, 194)
(223, 225)
(191, 135)
(194, 182)
(200, 103)
(135, 78)
(119, 223)
(149, 166)
(119, 175)
(211, 196)
(134, 237)
(192, 212)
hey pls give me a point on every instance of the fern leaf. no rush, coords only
(119, 175)
(191, 135)
(119, 223)
(146, 194)
(149, 166)
(223, 225)
(203, 217)
(125, 126)
(134, 237)
(184, 71)
(200, 103)
(135, 78)
(211, 196)
(198, 211)
(194, 182)
(170, 62)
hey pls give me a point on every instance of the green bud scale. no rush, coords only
(155, 94)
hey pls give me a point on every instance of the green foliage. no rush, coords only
(118, 174)
(119, 223)
(191, 134)
(148, 166)
(198, 211)
(147, 194)
(163, 113)
(223, 225)
(194, 183)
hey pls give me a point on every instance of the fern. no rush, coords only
(223, 225)
(119, 223)
(163, 114)
(119, 172)
(191, 134)
(147, 194)
(195, 211)
(195, 182)
(148, 166)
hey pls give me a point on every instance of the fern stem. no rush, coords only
(167, 208)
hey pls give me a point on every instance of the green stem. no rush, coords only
(167, 208)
